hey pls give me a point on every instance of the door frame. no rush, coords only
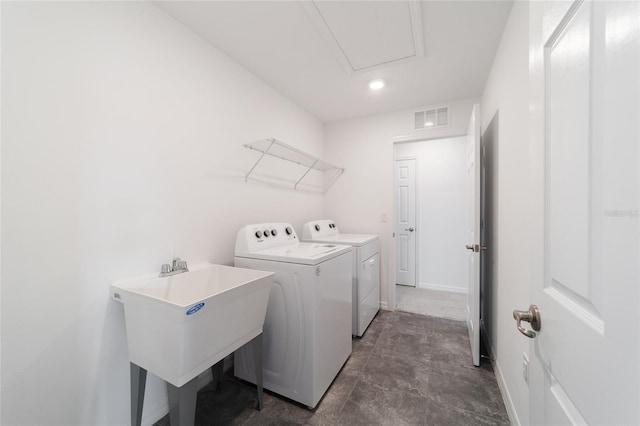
(391, 227)
(536, 198)
(395, 205)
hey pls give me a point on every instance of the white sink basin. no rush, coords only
(179, 326)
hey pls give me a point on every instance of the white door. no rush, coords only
(406, 222)
(585, 225)
(473, 230)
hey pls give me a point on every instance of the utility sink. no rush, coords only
(179, 326)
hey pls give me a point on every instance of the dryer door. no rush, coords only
(368, 291)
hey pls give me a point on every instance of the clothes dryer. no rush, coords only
(366, 268)
(307, 329)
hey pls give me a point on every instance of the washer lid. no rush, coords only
(302, 253)
(356, 240)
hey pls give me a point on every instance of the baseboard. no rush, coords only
(502, 384)
(442, 287)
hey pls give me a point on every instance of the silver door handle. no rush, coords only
(532, 316)
(475, 247)
(408, 229)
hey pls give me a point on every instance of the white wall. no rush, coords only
(121, 147)
(364, 146)
(506, 92)
(443, 208)
(0, 225)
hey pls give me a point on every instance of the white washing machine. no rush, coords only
(366, 268)
(307, 329)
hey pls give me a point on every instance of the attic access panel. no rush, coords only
(369, 34)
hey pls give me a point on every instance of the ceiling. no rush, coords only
(323, 54)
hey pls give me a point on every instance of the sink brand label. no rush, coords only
(195, 308)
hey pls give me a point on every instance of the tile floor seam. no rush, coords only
(346, 400)
(482, 416)
(366, 360)
(426, 402)
(340, 411)
(250, 417)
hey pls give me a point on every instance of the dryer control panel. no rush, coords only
(261, 236)
(318, 229)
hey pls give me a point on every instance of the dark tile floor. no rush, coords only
(407, 369)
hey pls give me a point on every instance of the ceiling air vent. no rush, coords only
(430, 118)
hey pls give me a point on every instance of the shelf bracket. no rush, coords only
(305, 173)
(333, 179)
(246, 178)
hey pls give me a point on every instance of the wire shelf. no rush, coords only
(277, 149)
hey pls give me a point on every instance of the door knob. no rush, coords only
(408, 229)
(532, 316)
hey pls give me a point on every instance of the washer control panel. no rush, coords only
(265, 235)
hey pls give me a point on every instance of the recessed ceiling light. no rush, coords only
(376, 84)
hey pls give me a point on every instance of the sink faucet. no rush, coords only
(177, 266)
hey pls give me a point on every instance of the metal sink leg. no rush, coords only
(256, 344)
(138, 383)
(182, 403)
(217, 371)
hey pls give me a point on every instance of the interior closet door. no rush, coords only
(406, 222)
(474, 169)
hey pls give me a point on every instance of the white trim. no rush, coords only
(502, 384)
(385, 306)
(506, 396)
(0, 231)
(415, 13)
(443, 287)
(428, 135)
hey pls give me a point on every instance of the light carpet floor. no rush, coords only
(434, 303)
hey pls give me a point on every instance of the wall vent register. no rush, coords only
(431, 118)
